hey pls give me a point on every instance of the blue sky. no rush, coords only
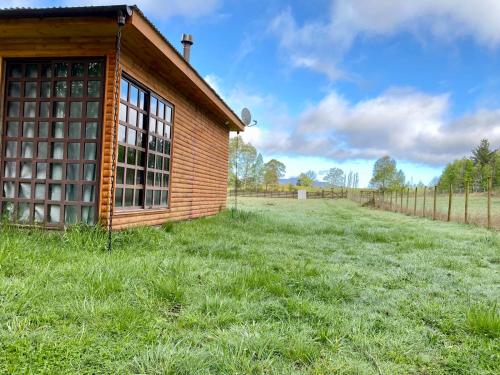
(339, 83)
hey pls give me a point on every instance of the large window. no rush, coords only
(51, 140)
(144, 143)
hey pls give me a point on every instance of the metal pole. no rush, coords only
(236, 172)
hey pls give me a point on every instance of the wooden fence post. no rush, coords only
(450, 198)
(415, 205)
(396, 201)
(435, 203)
(407, 200)
(390, 205)
(402, 193)
(425, 192)
(466, 218)
(490, 188)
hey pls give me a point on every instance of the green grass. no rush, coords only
(280, 287)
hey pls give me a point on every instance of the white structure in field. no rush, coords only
(302, 194)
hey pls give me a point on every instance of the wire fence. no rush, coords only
(320, 194)
(461, 205)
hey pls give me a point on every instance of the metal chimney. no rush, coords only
(187, 41)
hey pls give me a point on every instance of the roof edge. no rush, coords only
(105, 11)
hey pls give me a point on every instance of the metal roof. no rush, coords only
(106, 11)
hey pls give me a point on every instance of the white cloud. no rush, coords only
(404, 123)
(320, 45)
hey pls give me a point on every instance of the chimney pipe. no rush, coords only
(187, 41)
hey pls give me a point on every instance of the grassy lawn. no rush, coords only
(284, 287)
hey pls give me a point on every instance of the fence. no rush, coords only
(322, 194)
(460, 205)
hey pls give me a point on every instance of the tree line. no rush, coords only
(248, 169)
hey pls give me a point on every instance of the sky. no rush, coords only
(340, 83)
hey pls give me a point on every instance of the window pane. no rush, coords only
(139, 180)
(74, 129)
(124, 90)
(141, 99)
(77, 70)
(57, 150)
(90, 151)
(73, 151)
(58, 130)
(29, 109)
(42, 150)
(70, 215)
(71, 192)
(11, 149)
(8, 189)
(130, 176)
(59, 109)
(168, 114)
(131, 137)
(30, 90)
(157, 196)
(13, 109)
(54, 192)
(159, 160)
(27, 150)
(164, 198)
(88, 193)
(159, 129)
(94, 89)
(73, 171)
(119, 175)
(28, 129)
(131, 156)
(43, 129)
(16, 71)
(56, 171)
(47, 70)
(134, 95)
(54, 214)
(31, 70)
(45, 90)
(10, 169)
(39, 213)
(122, 133)
(88, 215)
(159, 145)
(121, 154)
(75, 110)
(129, 197)
(151, 161)
(119, 198)
(153, 105)
(95, 69)
(77, 89)
(40, 191)
(25, 190)
(91, 130)
(26, 170)
(161, 110)
(61, 70)
(45, 109)
(132, 116)
(139, 197)
(23, 212)
(123, 112)
(151, 178)
(149, 197)
(8, 210)
(41, 171)
(89, 172)
(93, 109)
(61, 89)
(12, 129)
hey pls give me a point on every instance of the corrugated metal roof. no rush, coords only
(100, 11)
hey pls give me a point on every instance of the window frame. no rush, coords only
(148, 94)
(49, 139)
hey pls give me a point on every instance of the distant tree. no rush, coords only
(306, 179)
(482, 154)
(349, 180)
(335, 177)
(385, 174)
(273, 171)
(249, 162)
(355, 182)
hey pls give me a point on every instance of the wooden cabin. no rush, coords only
(66, 155)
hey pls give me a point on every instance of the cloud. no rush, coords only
(321, 45)
(404, 123)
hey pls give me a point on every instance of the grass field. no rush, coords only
(283, 287)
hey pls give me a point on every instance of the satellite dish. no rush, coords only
(246, 116)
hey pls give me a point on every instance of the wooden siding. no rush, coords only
(199, 156)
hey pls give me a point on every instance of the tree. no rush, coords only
(482, 155)
(335, 177)
(250, 171)
(385, 174)
(306, 179)
(273, 171)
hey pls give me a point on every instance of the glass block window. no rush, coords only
(49, 164)
(144, 144)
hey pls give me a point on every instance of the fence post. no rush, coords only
(425, 191)
(466, 219)
(415, 205)
(396, 201)
(435, 203)
(490, 188)
(407, 200)
(450, 198)
(390, 204)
